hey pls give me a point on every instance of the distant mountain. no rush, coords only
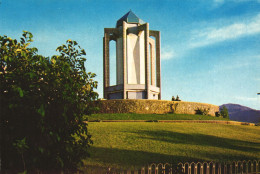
(242, 113)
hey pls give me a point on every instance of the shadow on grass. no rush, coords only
(228, 150)
(132, 158)
(200, 139)
(126, 159)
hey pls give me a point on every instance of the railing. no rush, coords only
(238, 167)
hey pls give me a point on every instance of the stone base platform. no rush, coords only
(153, 106)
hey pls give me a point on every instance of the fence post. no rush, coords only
(246, 168)
(241, 167)
(236, 168)
(256, 165)
(149, 169)
(252, 167)
(143, 170)
(163, 168)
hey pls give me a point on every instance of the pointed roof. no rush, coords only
(129, 17)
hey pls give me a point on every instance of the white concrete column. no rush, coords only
(157, 36)
(147, 69)
(152, 61)
(106, 75)
(124, 59)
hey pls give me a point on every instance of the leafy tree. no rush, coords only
(224, 112)
(43, 101)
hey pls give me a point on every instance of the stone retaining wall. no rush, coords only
(153, 107)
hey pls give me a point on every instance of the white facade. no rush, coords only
(138, 67)
(135, 56)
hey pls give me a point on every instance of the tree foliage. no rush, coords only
(224, 112)
(43, 101)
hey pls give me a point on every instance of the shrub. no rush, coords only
(217, 114)
(201, 111)
(177, 98)
(152, 121)
(97, 120)
(43, 101)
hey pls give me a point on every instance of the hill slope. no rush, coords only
(242, 113)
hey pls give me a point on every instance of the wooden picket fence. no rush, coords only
(236, 167)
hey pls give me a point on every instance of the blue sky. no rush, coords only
(210, 48)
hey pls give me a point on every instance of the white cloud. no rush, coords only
(229, 66)
(246, 98)
(213, 35)
(245, 0)
(168, 53)
(218, 2)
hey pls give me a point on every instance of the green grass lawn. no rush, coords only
(127, 145)
(132, 116)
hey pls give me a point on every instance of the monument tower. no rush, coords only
(138, 63)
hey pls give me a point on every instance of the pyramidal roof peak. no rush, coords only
(129, 17)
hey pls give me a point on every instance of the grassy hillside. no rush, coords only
(132, 116)
(127, 145)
